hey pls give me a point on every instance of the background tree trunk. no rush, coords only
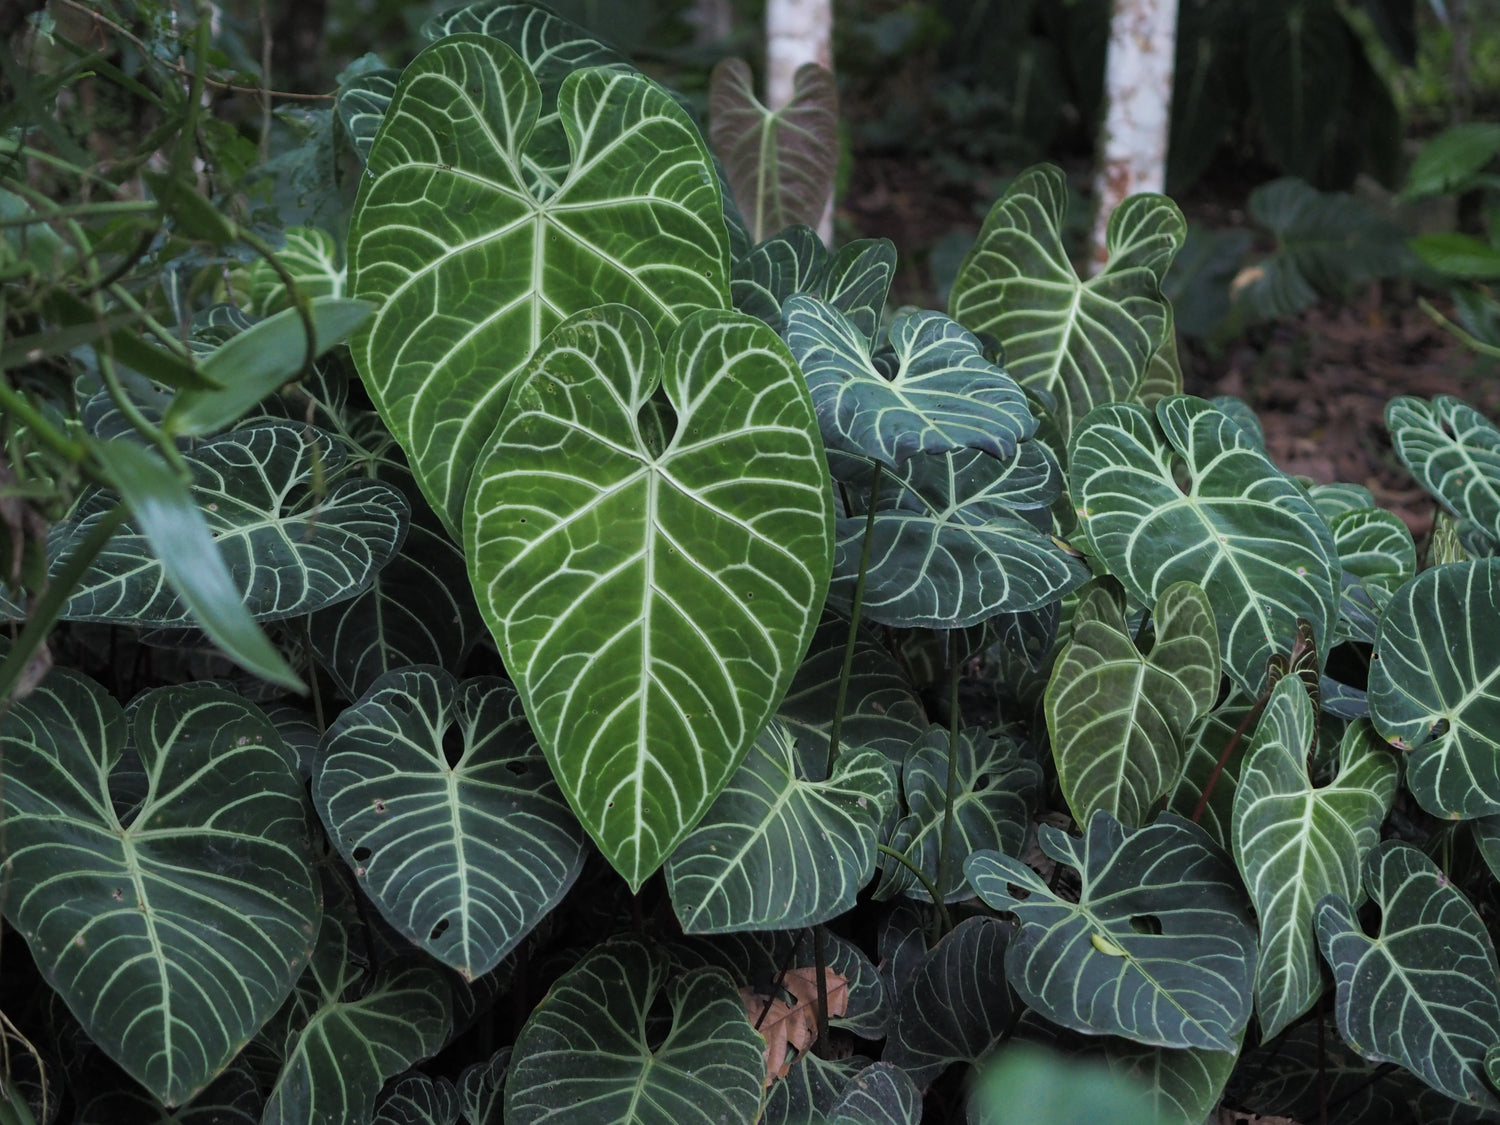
(797, 32)
(1138, 109)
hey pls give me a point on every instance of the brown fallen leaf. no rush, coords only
(788, 1020)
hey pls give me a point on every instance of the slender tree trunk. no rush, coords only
(1138, 109)
(797, 32)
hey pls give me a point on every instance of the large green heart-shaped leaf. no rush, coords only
(956, 1006)
(233, 1098)
(174, 934)
(782, 163)
(1080, 342)
(637, 218)
(949, 548)
(1435, 686)
(881, 710)
(995, 793)
(652, 593)
(1425, 991)
(594, 1054)
(418, 610)
(1118, 718)
(1187, 496)
(1453, 451)
(1295, 842)
(941, 394)
(855, 280)
(347, 1040)
(465, 849)
(290, 550)
(1158, 948)
(778, 848)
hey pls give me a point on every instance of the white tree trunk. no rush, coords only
(1138, 109)
(797, 32)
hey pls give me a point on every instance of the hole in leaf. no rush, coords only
(401, 703)
(1019, 893)
(360, 854)
(1369, 920)
(983, 781)
(438, 930)
(518, 767)
(1349, 663)
(1181, 477)
(656, 424)
(454, 745)
(1146, 924)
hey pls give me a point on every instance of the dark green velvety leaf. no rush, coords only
(463, 851)
(1298, 71)
(1234, 524)
(782, 163)
(879, 1095)
(173, 936)
(855, 280)
(1158, 948)
(956, 1006)
(1295, 842)
(589, 1056)
(1080, 342)
(1183, 1085)
(1119, 718)
(418, 1100)
(233, 1098)
(481, 1089)
(1028, 1084)
(1453, 451)
(313, 259)
(178, 537)
(451, 193)
(419, 609)
(1435, 686)
(354, 1038)
(1206, 743)
(361, 103)
(1423, 992)
(779, 848)
(941, 396)
(949, 548)
(997, 791)
(289, 549)
(881, 711)
(652, 604)
(809, 1090)
(1377, 555)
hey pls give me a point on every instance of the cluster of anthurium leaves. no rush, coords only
(725, 522)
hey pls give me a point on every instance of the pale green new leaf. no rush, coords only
(595, 1054)
(1159, 947)
(1186, 496)
(463, 854)
(997, 790)
(1119, 718)
(448, 197)
(652, 593)
(1435, 686)
(172, 934)
(289, 549)
(1295, 842)
(1453, 451)
(1425, 991)
(934, 392)
(778, 848)
(781, 164)
(310, 255)
(1082, 343)
(957, 1005)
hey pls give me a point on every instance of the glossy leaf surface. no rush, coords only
(1454, 453)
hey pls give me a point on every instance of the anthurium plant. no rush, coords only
(525, 651)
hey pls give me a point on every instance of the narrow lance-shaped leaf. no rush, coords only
(781, 163)
(592, 1054)
(1435, 686)
(779, 847)
(1295, 842)
(463, 857)
(1425, 991)
(447, 197)
(652, 593)
(1119, 718)
(1158, 948)
(174, 933)
(1081, 343)
(1186, 496)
